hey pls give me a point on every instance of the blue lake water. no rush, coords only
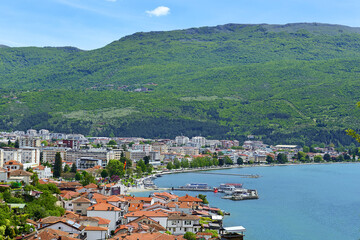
(296, 202)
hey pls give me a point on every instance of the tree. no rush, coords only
(240, 161)
(169, 166)
(35, 179)
(228, 161)
(78, 176)
(73, 168)
(115, 167)
(146, 160)
(57, 165)
(66, 168)
(177, 163)
(203, 197)
(269, 159)
(141, 164)
(306, 149)
(17, 144)
(112, 143)
(185, 163)
(190, 236)
(104, 173)
(327, 157)
(281, 158)
(318, 158)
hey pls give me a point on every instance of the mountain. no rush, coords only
(293, 83)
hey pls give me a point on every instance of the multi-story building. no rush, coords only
(50, 152)
(135, 155)
(160, 146)
(85, 163)
(181, 140)
(29, 141)
(199, 141)
(97, 153)
(142, 147)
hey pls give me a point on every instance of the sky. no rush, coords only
(92, 24)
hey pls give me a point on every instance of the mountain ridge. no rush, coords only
(295, 83)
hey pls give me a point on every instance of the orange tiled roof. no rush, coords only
(103, 207)
(135, 207)
(113, 198)
(13, 162)
(91, 185)
(102, 221)
(147, 214)
(188, 198)
(147, 236)
(81, 200)
(92, 228)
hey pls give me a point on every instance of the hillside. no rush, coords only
(293, 83)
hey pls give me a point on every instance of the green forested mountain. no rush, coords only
(294, 83)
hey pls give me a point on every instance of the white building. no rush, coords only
(199, 141)
(181, 140)
(142, 147)
(179, 224)
(158, 216)
(107, 211)
(96, 233)
(43, 171)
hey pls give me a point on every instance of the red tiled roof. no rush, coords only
(188, 198)
(92, 228)
(147, 214)
(103, 207)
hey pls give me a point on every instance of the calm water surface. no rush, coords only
(296, 202)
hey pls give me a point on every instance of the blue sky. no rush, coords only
(91, 24)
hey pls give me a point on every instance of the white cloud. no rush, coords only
(159, 11)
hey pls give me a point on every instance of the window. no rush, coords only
(79, 204)
(59, 227)
(187, 222)
(70, 204)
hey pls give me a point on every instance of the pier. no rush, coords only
(231, 174)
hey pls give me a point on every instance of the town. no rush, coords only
(68, 186)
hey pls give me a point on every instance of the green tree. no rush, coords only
(17, 144)
(78, 176)
(104, 173)
(112, 143)
(306, 149)
(146, 160)
(327, 157)
(281, 158)
(185, 163)
(169, 166)
(239, 161)
(57, 165)
(34, 179)
(203, 197)
(66, 168)
(318, 158)
(177, 163)
(73, 168)
(228, 161)
(142, 165)
(190, 236)
(115, 167)
(269, 159)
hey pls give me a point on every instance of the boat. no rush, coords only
(229, 188)
(195, 187)
(242, 194)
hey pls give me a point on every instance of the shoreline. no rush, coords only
(136, 190)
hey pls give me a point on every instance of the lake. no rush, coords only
(296, 202)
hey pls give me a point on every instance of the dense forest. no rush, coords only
(290, 84)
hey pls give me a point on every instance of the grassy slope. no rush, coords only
(287, 83)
